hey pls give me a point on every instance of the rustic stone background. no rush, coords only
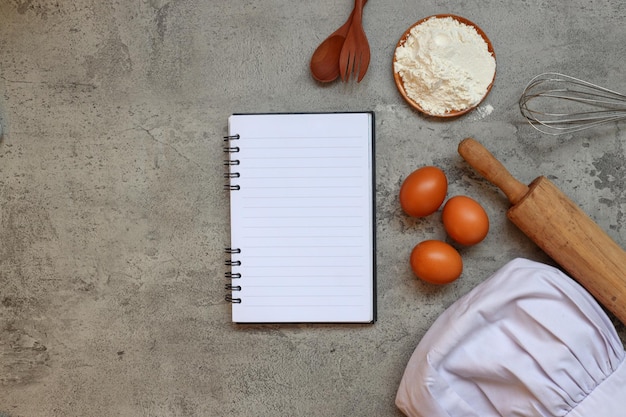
(113, 217)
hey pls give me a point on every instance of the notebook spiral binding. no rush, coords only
(229, 175)
(231, 288)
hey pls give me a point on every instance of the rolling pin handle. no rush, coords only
(489, 167)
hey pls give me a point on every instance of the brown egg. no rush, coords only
(465, 221)
(423, 191)
(436, 262)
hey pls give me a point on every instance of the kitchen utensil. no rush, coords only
(559, 227)
(325, 60)
(400, 83)
(355, 54)
(555, 104)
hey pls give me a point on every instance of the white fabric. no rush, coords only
(528, 341)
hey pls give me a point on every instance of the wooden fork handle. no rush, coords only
(358, 10)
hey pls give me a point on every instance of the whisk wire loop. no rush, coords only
(555, 104)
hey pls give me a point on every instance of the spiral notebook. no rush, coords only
(302, 218)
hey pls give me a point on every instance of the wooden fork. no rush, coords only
(355, 54)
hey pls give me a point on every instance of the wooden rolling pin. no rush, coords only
(559, 227)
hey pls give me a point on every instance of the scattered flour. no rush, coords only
(445, 65)
(482, 112)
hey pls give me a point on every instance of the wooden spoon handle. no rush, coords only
(489, 167)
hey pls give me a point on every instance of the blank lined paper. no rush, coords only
(302, 217)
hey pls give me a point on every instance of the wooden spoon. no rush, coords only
(325, 60)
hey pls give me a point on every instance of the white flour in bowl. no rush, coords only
(445, 65)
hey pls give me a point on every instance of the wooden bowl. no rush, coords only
(400, 84)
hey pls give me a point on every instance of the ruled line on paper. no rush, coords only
(325, 157)
(302, 177)
(300, 226)
(309, 296)
(301, 265)
(281, 197)
(305, 286)
(306, 237)
(299, 167)
(342, 305)
(299, 146)
(301, 187)
(280, 274)
(299, 207)
(294, 138)
(304, 246)
(284, 255)
(315, 216)
(244, 180)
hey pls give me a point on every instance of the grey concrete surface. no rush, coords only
(113, 218)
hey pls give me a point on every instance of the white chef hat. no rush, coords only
(528, 341)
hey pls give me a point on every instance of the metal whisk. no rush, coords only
(556, 104)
